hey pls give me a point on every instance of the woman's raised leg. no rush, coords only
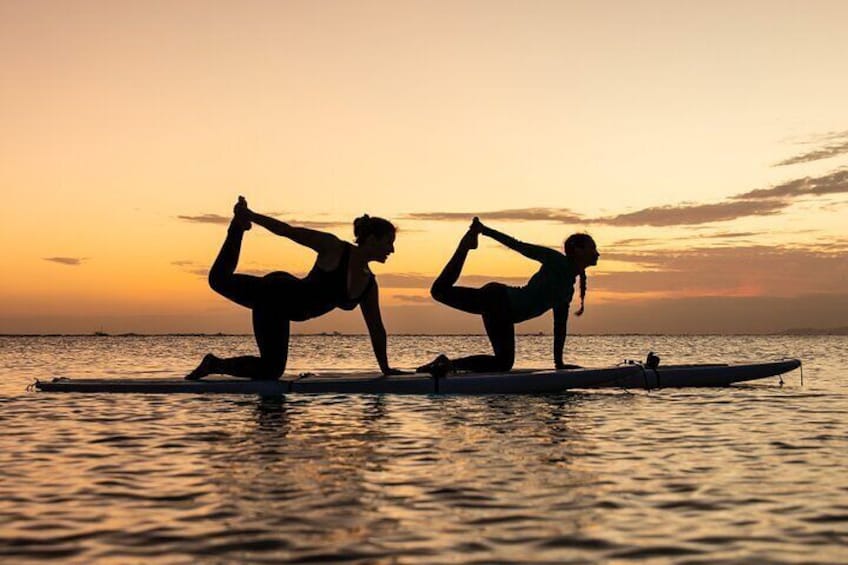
(241, 289)
(444, 288)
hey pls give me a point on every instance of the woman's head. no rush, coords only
(581, 249)
(376, 237)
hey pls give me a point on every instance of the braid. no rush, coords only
(582, 293)
(575, 241)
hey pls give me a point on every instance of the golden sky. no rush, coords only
(704, 145)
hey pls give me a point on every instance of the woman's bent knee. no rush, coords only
(505, 364)
(437, 291)
(217, 282)
(272, 371)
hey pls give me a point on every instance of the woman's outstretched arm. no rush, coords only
(529, 250)
(370, 307)
(313, 239)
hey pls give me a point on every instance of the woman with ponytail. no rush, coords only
(340, 278)
(501, 306)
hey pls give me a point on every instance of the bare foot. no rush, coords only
(469, 240)
(240, 214)
(202, 370)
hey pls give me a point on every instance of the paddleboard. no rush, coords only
(512, 382)
(528, 381)
(703, 375)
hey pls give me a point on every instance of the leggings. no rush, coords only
(270, 325)
(490, 301)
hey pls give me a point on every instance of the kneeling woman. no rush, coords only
(501, 306)
(340, 278)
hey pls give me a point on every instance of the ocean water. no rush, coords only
(746, 474)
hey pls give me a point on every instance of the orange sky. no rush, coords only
(704, 146)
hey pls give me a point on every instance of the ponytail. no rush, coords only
(366, 225)
(582, 275)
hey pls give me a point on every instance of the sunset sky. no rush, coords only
(703, 145)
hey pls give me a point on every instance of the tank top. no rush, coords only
(326, 290)
(552, 285)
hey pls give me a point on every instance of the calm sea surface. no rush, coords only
(746, 474)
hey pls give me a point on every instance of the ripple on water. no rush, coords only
(752, 473)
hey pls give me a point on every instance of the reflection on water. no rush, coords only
(751, 473)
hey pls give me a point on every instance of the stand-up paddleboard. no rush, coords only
(512, 382)
(634, 375)
(707, 375)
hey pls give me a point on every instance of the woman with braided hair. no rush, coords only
(502, 306)
(340, 278)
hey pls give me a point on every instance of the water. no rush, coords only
(748, 474)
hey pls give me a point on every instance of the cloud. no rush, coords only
(207, 219)
(70, 261)
(838, 145)
(315, 225)
(731, 235)
(670, 215)
(638, 242)
(760, 202)
(750, 270)
(562, 215)
(204, 272)
(692, 214)
(833, 183)
(218, 219)
(417, 280)
(413, 298)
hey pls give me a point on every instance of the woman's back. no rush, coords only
(552, 284)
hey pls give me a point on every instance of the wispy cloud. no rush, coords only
(833, 183)
(730, 235)
(413, 298)
(70, 261)
(692, 214)
(218, 219)
(642, 242)
(755, 269)
(760, 202)
(203, 272)
(207, 219)
(562, 215)
(315, 225)
(672, 215)
(837, 145)
(417, 280)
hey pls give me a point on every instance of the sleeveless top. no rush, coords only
(552, 285)
(323, 291)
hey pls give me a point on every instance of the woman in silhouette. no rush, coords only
(502, 306)
(340, 278)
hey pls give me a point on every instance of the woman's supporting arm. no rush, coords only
(560, 331)
(370, 307)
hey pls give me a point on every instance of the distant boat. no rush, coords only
(101, 334)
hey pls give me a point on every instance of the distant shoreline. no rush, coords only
(791, 332)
